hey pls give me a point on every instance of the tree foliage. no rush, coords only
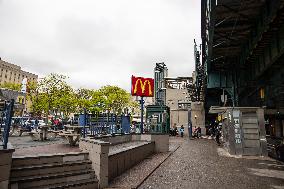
(13, 86)
(52, 95)
(116, 99)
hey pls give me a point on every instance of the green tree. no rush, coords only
(83, 97)
(116, 99)
(38, 99)
(13, 86)
(52, 95)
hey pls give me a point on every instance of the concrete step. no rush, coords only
(20, 161)
(48, 169)
(59, 178)
(82, 184)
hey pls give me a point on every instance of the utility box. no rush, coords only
(244, 131)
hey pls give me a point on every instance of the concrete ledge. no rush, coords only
(161, 141)
(123, 160)
(98, 154)
(114, 139)
(108, 165)
(5, 167)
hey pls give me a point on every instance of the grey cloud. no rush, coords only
(99, 42)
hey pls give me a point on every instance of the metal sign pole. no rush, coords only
(85, 122)
(142, 111)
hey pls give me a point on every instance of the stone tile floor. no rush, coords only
(24, 145)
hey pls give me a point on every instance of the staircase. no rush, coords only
(59, 171)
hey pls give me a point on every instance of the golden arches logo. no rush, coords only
(143, 86)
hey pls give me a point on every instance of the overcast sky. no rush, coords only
(99, 42)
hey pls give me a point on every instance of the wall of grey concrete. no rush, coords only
(116, 139)
(161, 141)
(174, 95)
(98, 154)
(122, 161)
(107, 166)
(5, 167)
(178, 118)
(198, 116)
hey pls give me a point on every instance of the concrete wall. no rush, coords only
(278, 130)
(5, 167)
(98, 154)
(161, 141)
(178, 118)
(108, 166)
(122, 161)
(116, 139)
(174, 95)
(198, 116)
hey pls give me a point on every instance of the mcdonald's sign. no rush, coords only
(142, 86)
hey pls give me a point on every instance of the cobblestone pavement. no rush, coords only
(201, 164)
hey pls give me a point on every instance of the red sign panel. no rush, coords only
(142, 86)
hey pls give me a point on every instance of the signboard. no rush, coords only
(142, 86)
(236, 115)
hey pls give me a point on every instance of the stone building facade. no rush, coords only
(11, 73)
(178, 99)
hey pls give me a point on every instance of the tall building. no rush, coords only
(178, 99)
(11, 73)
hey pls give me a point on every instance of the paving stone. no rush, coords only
(197, 164)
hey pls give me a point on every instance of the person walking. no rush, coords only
(198, 132)
(36, 124)
(181, 130)
(218, 135)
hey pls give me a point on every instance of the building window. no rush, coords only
(5, 76)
